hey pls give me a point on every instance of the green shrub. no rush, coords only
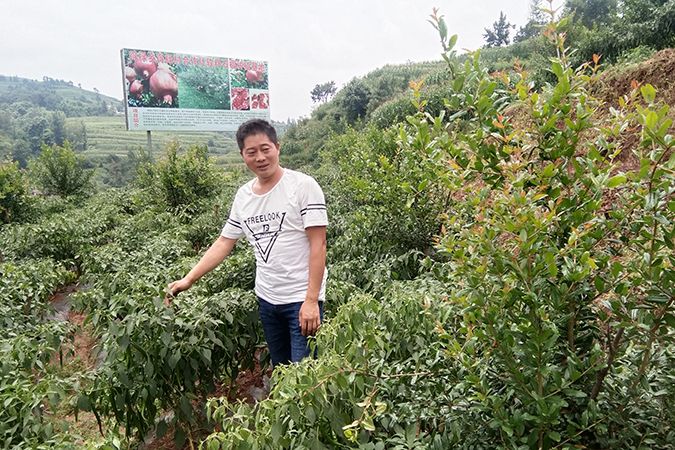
(60, 171)
(180, 181)
(14, 199)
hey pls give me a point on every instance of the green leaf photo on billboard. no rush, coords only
(204, 87)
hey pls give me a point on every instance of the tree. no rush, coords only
(499, 34)
(322, 92)
(58, 170)
(181, 181)
(82, 135)
(591, 12)
(36, 124)
(355, 98)
(59, 127)
(535, 21)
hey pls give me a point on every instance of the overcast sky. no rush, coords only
(305, 41)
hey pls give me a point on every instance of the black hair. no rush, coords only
(256, 126)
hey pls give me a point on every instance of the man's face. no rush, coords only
(261, 155)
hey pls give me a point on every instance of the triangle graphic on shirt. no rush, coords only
(271, 235)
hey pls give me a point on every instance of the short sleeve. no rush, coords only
(232, 228)
(312, 204)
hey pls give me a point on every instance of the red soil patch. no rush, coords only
(82, 346)
(659, 71)
(79, 349)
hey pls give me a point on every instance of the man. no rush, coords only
(282, 213)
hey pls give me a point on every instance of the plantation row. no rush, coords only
(108, 136)
(500, 276)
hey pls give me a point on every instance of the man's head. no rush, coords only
(259, 149)
(256, 126)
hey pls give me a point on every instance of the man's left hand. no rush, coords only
(310, 317)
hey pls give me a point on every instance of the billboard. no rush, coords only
(174, 91)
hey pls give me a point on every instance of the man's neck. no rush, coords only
(264, 185)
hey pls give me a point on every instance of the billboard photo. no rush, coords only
(173, 91)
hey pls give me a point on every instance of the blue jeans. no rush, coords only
(282, 331)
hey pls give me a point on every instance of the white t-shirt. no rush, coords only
(274, 223)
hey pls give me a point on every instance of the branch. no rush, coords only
(610, 359)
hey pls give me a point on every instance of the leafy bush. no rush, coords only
(60, 171)
(640, 23)
(14, 199)
(180, 182)
(27, 344)
(64, 237)
(159, 358)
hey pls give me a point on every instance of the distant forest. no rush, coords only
(33, 113)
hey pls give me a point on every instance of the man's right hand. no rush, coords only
(175, 288)
(213, 256)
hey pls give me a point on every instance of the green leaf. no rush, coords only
(149, 369)
(277, 431)
(549, 171)
(616, 180)
(648, 93)
(575, 393)
(173, 360)
(84, 403)
(166, 338)
(310, 414)
(599, 284)
(161, 428)
(442, 29)
(557, 69)
(179, 437)
(554, 435)
(549, 257)
(185, 407)
(123, 342)
(206, 353)
(452, 42)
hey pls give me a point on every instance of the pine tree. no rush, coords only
(499, 34)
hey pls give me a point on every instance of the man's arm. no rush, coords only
(310, 318)
(216, 253)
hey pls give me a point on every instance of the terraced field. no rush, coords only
(108, 136)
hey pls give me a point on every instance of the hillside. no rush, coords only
(658, 70)
(108, 136)
(383, 97)
(57, 95)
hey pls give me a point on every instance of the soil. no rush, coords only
(79, 352)
(614, 83)
(659, 71)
